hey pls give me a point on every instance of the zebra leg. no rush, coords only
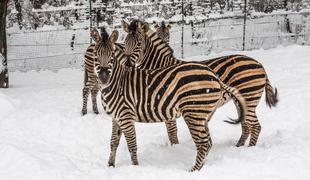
(85, 97)
(200, 133)
(253, 123)
(245, 127)
(245, 134)
(94, 93)
(255, 130)
(172, 131)
(128, 128)
(115, 138)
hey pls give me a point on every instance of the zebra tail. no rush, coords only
(239, 102)
(271, 96)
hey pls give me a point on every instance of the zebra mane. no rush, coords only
(162, 24)
(104, 34)
(133, 25)
(128, 61)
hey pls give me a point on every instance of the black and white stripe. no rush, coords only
(244, 73)
(190, 90)
(90, 80)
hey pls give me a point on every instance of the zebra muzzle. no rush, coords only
(104, 75)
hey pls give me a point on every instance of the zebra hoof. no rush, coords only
(239, 144)
(84, 112)
(111, 164)
(96, 112)
(135, 163)
(174, 143)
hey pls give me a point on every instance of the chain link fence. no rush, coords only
(195, 31)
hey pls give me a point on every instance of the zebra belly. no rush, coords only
(149, 110)
(153, 116)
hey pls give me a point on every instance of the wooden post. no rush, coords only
(90, 19)
(4, 74)
(286, 19)
(244, 25)
(182, 33)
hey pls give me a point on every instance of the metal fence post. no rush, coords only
(90, 19)
(182, 33)
(244, 25)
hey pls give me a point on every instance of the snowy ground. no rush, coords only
(44, 137)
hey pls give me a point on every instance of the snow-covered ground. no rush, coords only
(44, 137)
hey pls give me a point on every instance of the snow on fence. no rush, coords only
(63, 48)
(53, 49)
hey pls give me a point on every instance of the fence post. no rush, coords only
(191, 21)
(90, 19)
(244, 25)
(182, 33)
(4, 73)
(286, 19)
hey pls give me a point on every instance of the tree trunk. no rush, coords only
(19, 14)
(4, 74)
(286, 19)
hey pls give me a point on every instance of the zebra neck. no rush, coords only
(115, 86)
(156, 53)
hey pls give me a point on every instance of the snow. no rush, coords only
(43, 135)
(6, 105)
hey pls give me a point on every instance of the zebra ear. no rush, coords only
(169, 26)
(143, 27)
(114, 36)
(125, 26)
(156, 26)
(95, 35)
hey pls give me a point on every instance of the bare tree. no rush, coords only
(4, 74)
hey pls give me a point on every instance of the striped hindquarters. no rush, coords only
(242, 72)
(90, 80)
(89, 63)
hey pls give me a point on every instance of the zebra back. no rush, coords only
(160, 94)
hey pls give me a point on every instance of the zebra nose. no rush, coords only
(104, 74)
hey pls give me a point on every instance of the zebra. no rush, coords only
(163, 31)
(239, 71)
(129, 95)
(90, 78)
(93, 81)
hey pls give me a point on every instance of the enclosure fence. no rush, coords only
(57, 48)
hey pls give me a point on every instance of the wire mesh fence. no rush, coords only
(56, 48)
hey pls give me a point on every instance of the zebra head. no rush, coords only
(143, 41)
(163, 31)
(104, 55)
(134, 38)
